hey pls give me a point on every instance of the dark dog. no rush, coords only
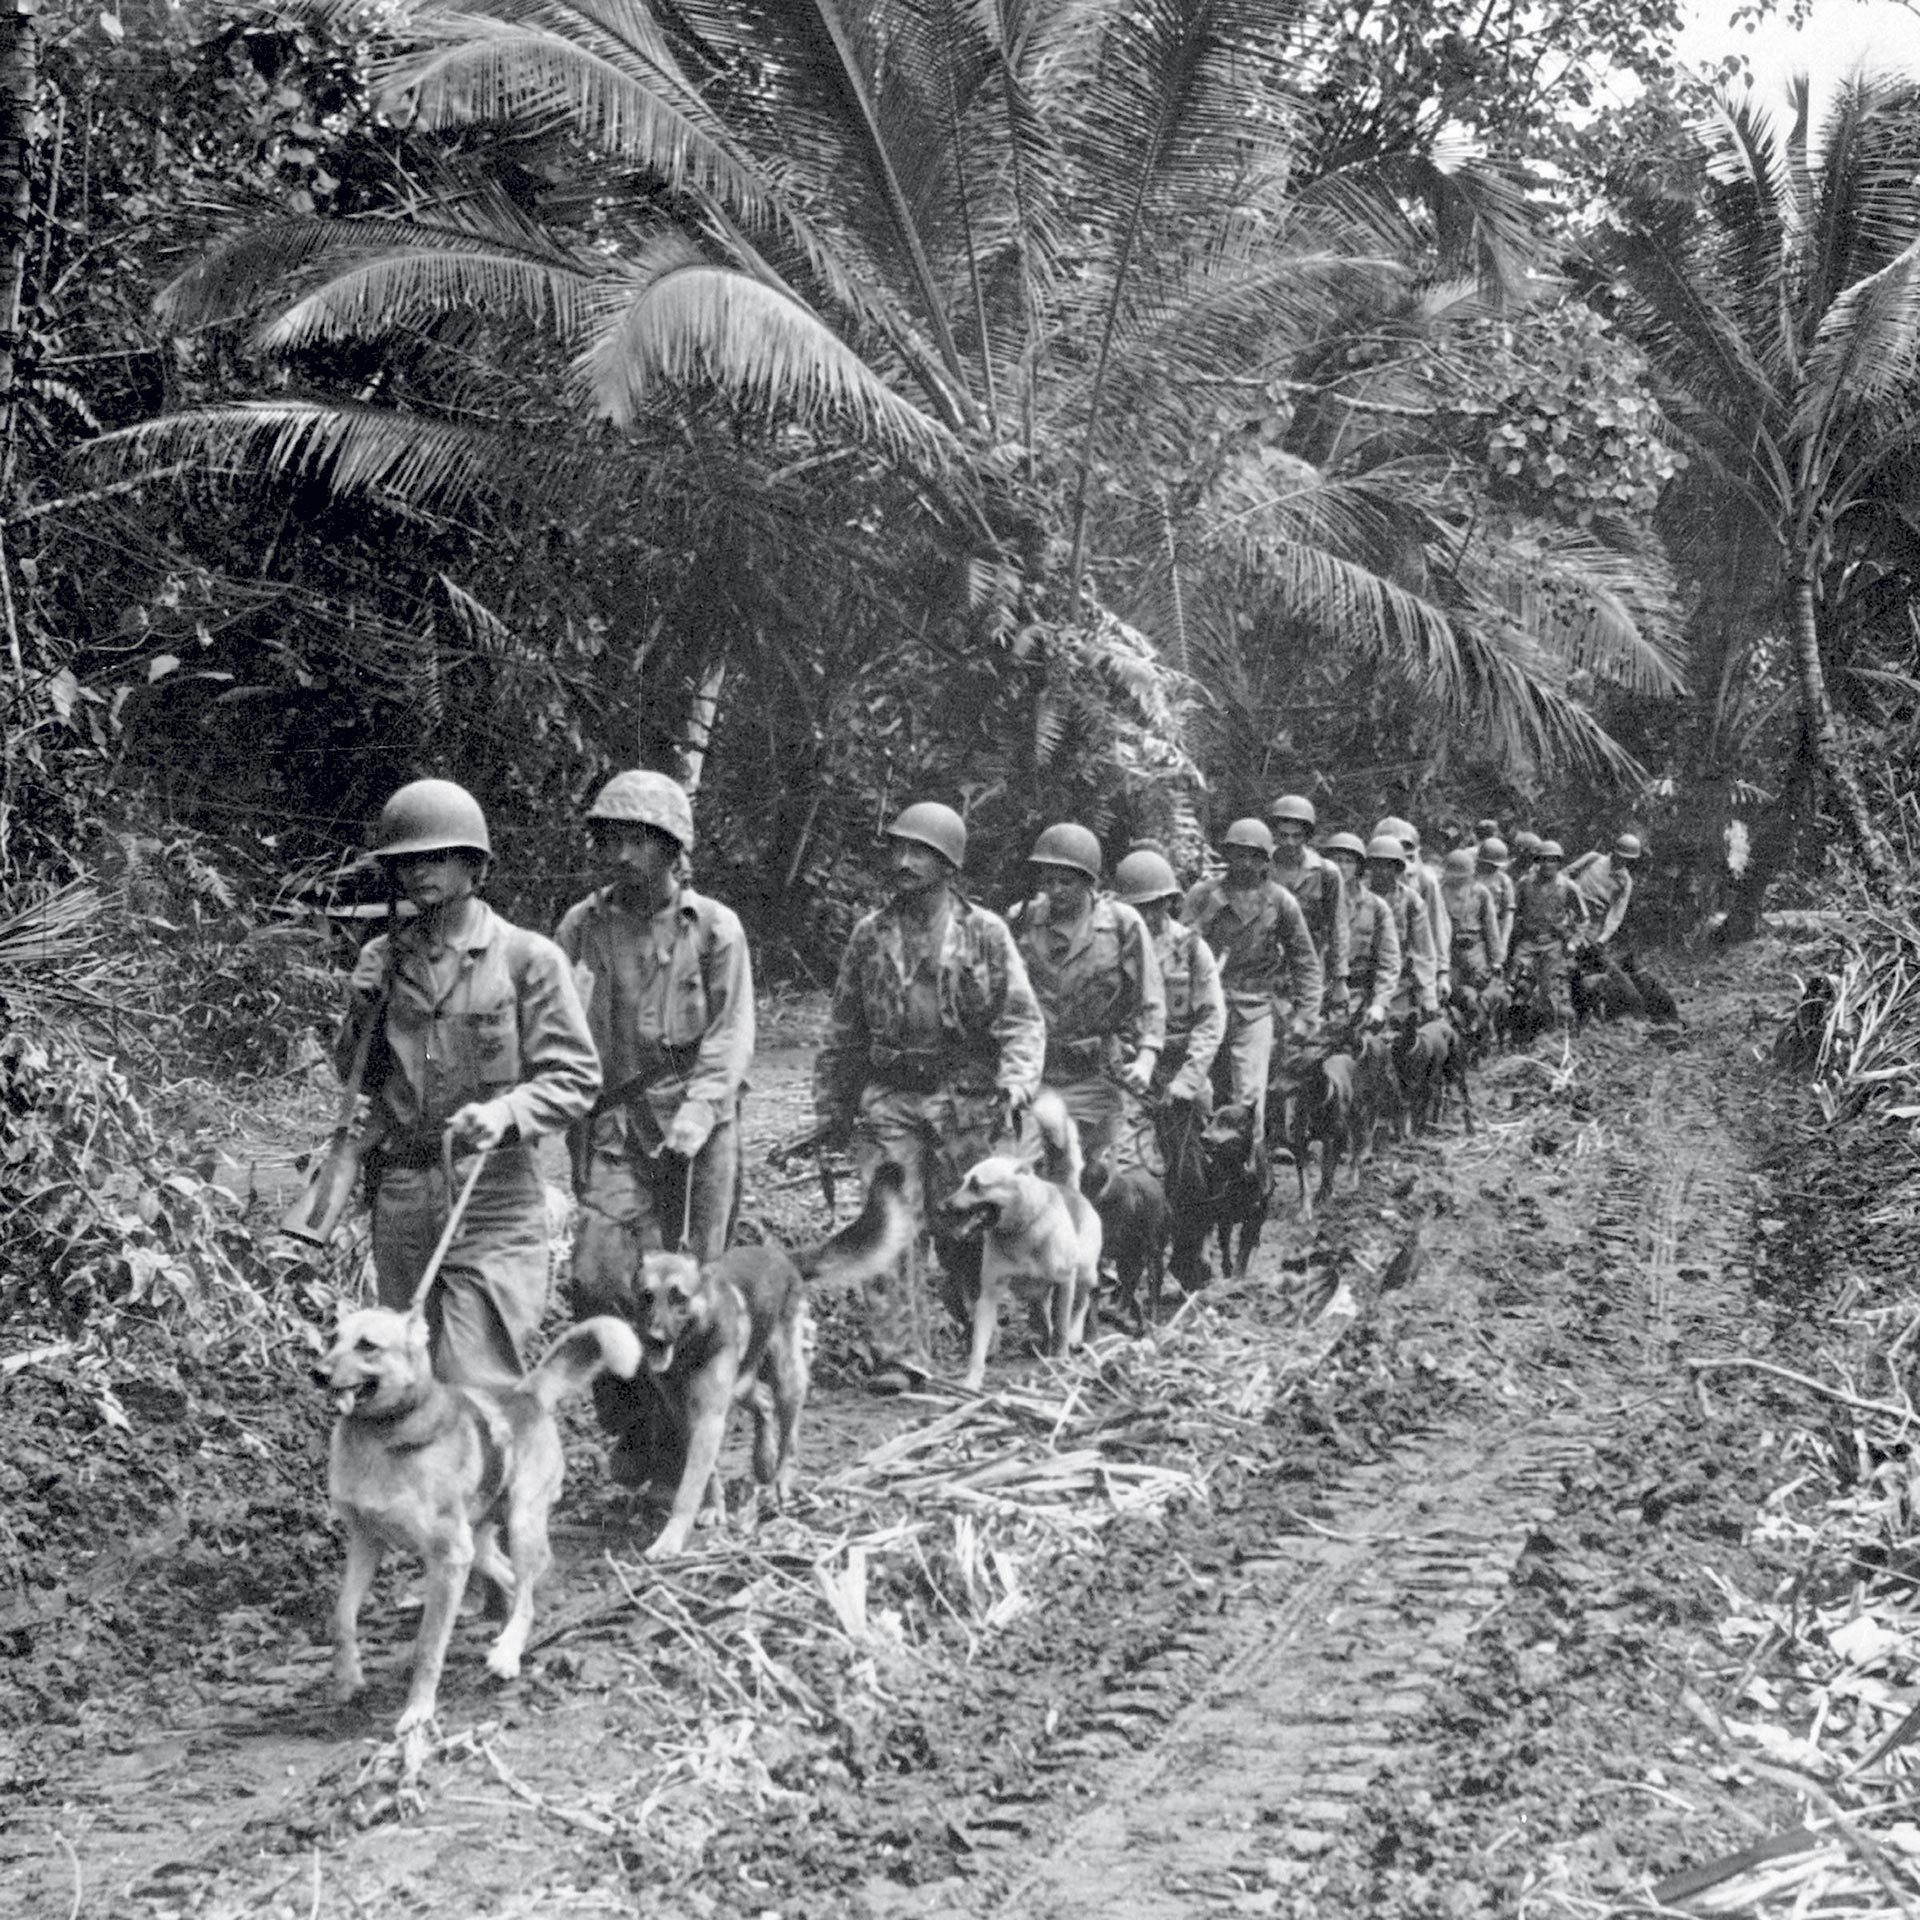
(1324, 1112)
(1378, 1098)
(1599, 990)
(1432, 1057)
(1239, 1191)
(1134, 1227)
(1661, 1007)
(1532, 1011)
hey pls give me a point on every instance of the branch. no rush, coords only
(1902, 1414)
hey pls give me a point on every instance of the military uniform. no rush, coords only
(1269, 968)
(484, 1012)
(1547, 913)
(928, 1028)
(1196, 1025)
(1478, 951)
(1373, 946)
(1426, 881)
(1099, 988)
(1322, 893)
(1418, 990)
(1499, 883)
(1605, 887)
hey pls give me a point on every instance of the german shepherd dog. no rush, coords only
(738, 1329)
(1323, 1110)
(1134, 1223)
(1041, 1236)
(440, 1471)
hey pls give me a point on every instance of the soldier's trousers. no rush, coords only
(487, 1300)
(933, 1138)
(1244, 1063)
(633, 1202)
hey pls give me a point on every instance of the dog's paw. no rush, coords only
(504, 1663)
(418, 1714)
(673, 1540)
(348, 1681)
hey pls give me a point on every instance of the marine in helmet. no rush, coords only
(1477, 948)
(934, 1044)
(1373, 935)
(1196, 1007)
(1417, 991)
(1425, 881)
(1548, 917)
(1269, 966)
(1317, 884)
(1604, 882)
(1094, 972)
(1493, 863)
(481, 1046)
(664, 974)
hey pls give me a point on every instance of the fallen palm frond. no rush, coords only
(52, 945)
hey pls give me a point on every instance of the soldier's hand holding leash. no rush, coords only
(481, 1125)
(1137, 1075)
(1012, 1102)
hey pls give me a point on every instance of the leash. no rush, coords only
(454, 1213)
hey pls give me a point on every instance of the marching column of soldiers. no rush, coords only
(631, 1032)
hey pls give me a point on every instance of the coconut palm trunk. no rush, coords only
(1825, 743)
(19, 59)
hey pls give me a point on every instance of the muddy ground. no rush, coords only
(1351, 1591)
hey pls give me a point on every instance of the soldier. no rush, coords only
(481, 1047)
(1373, 938)
(665, 977)
(1269, 968)
(1426, 881)
(1093, 970)
(1322, 894)
(1196, 1008)
(1547, 916)
(1492, 861)
(1604, 882)
(1417, 992)
(934, 1049)
(1477, 950)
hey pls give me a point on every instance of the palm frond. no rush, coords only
(678, 318)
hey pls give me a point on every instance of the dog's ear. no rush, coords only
(416, 1329)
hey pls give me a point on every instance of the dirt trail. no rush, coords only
(1308, 1691)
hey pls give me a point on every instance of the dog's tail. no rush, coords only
(603, 1344)
(1059, 1158)
(870, 1243)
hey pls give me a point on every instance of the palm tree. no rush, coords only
(1781, 312)
(1012, 251)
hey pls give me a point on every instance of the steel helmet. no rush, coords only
(1389, 846)
(935, 826)
(1460, 864)
(1486, 829)
(1402, 830)
(1249, 833)
(1142, 876)
(1550, 850)
(1526, 841)
(431, 816)
(645, 799)
(1627, 847)
(1493, 852)
(1067, 844)
(1344, 843)
(1294, 806)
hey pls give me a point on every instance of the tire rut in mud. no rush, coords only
(1227, 1766)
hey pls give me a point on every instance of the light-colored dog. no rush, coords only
(739, 1330)
(439, 1470)
(1041, 1234)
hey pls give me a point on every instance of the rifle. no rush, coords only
(334, 1178)
(815, 1141)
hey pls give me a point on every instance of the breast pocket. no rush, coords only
(483, 1045)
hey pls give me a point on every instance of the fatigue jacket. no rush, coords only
(1605, 887)
(671, 1020)
(1419, 964)
(1322, 894)
(1262, 941)
(1499, 883)
(1476, 927)
(1373, 944)
(1439, 923)
(1098, 985)
(1546, 909)
(991, 1031)
(1196, 1008)
(491, 1015)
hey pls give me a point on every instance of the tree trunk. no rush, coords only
(698, 732)
(19, 64)
(1821, 728)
